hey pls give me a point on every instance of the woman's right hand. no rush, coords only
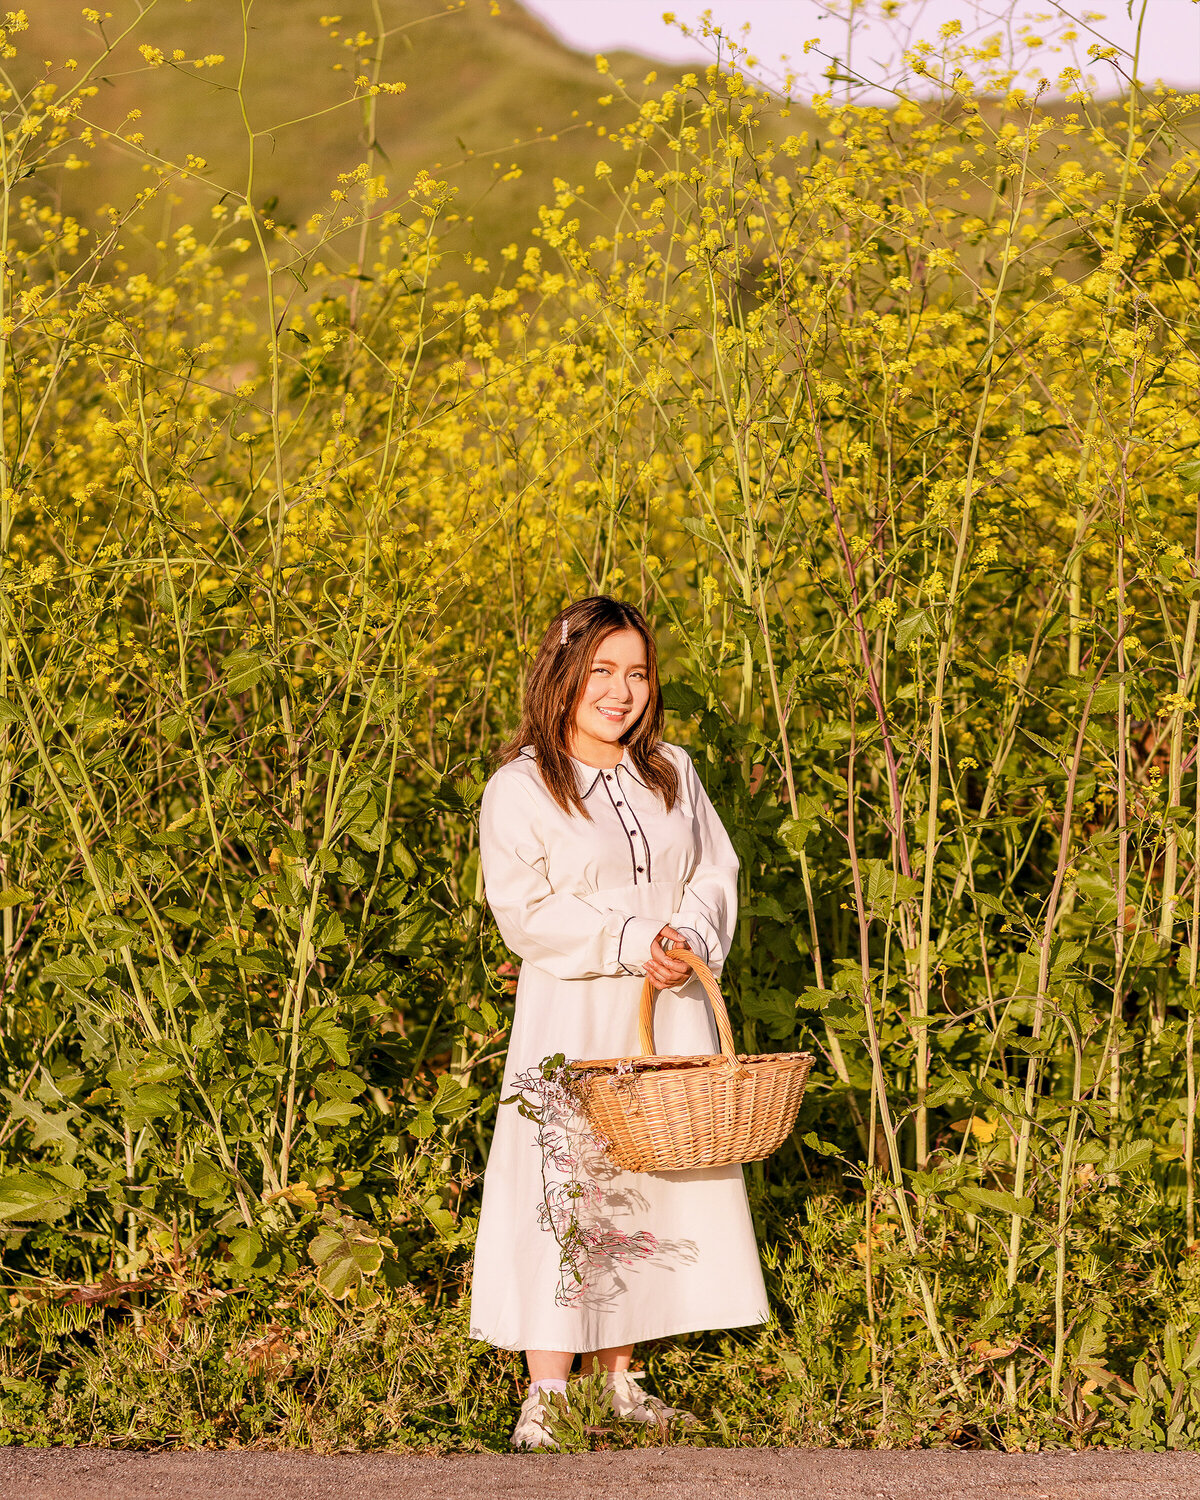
(663, 970)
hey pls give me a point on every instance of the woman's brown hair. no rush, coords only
(553, 690)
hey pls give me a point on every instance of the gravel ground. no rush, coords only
(638, 1474)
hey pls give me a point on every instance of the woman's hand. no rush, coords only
(664, 970)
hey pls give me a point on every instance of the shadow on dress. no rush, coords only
(620, 1208)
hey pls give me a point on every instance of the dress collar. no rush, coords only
(588, 777)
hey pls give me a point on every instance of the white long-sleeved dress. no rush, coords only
(581, 900)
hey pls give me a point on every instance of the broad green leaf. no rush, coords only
(171, 726)
(46, 1127)
(1128, 1158)
(339, 1083)
(1005, 1203)
(241, 670)
(334, 1038)
(152, 1101)
(452, 1101)
(222, 598)
(329, 931)
(886, 886)
(262, 961)
(39, 1197)
(77, 969)
(912, 627)
(402, 858)
(206, 1181)
(112, 932)
(264, 1050)
(13, 895)
(245, 1246)
(682, 698)
(333, 1112)
(346, 1251)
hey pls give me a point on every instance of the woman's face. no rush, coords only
(615, 694)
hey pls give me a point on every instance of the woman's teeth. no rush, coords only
(614, 713)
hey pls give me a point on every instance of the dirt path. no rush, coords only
(640, 1474)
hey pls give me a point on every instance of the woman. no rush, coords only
(600, 849)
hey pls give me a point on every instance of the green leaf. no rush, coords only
(912, 627)
(242, 670)
(682, 698)
(206, 1181)
(346, 1252)
(333, 1112)
(222, 598)
(245, 1247)
(439, 1216)
(10, 713)
(334, 1038)
(171, 726)
(13, 895)
(262, 961)
(767, 906)
(1128, 1158)
(1004, 1203)
(77, 969)
(264, 1050)
(151, 1102)
(329, 932)
(794, 831)
(886, 886)
(452, 1101)
(113, 932)
(38, 1197)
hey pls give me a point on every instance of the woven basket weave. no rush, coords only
(671, 1114)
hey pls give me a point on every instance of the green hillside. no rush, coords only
(487, 88)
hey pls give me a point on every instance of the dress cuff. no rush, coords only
(633, 945)
(694, 939)
(708, 946)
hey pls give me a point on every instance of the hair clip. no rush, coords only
(563, 638)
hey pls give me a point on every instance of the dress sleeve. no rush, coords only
(561, 933)
(708, 906)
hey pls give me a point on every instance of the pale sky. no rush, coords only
(1170, 44)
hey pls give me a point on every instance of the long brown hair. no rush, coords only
(555, 685)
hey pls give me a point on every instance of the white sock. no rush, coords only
(559, 1387)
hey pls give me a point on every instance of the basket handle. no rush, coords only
(705, 975)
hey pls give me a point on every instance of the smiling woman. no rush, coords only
(599, 847)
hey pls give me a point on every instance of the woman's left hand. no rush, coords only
(664, 970)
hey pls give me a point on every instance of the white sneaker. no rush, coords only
(632, 1404)
(533, 1426)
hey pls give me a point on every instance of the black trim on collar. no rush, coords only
(585, 791)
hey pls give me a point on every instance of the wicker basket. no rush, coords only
(672, 1114)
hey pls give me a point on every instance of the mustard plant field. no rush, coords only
(886, 414)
